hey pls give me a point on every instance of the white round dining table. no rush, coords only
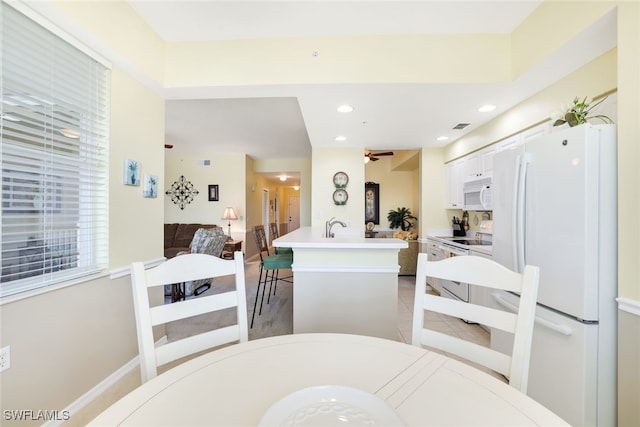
(237, 385)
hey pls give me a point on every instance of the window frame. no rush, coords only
(50, 179)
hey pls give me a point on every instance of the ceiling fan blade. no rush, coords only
(169, 146)
(386, 153)
(373, 159)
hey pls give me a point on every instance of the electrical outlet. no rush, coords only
(5, 358)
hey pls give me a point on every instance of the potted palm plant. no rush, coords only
(401, 218)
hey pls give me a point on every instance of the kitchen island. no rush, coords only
(344, 285)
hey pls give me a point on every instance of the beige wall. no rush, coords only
(595, 78)
(398, 188)
(301, 166)
(325, 163)
(372, 59)
(65, 342)
(102, 308)
(629, 369)
(432, 191)
(225, 170)
(139, 137)
(628, 202)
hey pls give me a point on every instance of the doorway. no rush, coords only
(293, 210)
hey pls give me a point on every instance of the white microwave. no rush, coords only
(478, 194)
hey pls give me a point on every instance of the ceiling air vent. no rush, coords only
(461, 126)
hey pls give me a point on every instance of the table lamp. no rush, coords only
(229, 215)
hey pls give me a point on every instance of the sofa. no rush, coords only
(194, 238)
(408, 258)
(178, 237)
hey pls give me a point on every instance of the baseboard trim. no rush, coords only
(104, 385)
(629, 305)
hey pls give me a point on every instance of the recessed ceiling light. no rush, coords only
(442, 138)
(345, 109)
(487, 108)
(341, 138)
(283, 178)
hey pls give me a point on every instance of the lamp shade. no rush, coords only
(229, 214)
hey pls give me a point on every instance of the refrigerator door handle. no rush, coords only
(514, 216)
(561, 329)
(520, 214)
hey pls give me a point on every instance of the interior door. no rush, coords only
(294, 213)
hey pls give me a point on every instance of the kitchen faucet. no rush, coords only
(329, 225)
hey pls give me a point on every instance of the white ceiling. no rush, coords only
(285, 120)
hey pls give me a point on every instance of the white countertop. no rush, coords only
(312, 237)
(237, 385)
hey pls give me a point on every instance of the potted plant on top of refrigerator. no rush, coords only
(578, 113)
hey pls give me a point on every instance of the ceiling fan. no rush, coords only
(374, 156)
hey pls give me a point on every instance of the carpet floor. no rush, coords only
(276, 317)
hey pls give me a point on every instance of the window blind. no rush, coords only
(54, 158)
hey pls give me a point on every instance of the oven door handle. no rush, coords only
(447, 251)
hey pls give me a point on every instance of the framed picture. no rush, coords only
(150, 186)
(213, 193)
(372, 202)
(131, 172)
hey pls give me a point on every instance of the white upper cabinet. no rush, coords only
(524, 137)
(456, 174)
(509, 143)
(536, 132)
(480, 163)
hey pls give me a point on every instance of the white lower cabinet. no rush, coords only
(434, 253)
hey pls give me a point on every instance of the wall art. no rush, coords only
(131, 172)
(213, 193)
(182, 192)
(372, 202)
(150, 185)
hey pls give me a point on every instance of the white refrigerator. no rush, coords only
(555, 206)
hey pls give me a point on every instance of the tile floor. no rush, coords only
(406, 287)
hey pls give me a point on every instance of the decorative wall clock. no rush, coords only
(340, 197)
(182, 192)
(340, 179)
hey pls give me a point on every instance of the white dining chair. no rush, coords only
(180, 269)
(484, 272)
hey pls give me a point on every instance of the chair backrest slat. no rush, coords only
(260, 238)
(487, 273)
(184, 268)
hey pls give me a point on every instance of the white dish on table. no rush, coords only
(330, 405)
